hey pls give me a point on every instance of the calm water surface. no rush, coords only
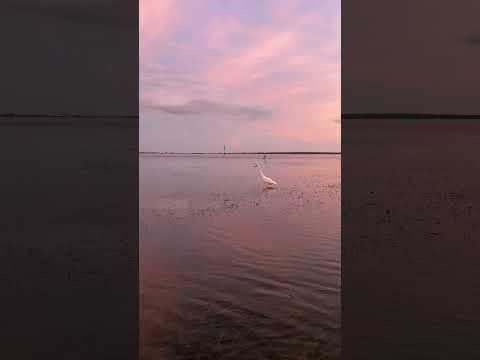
(230, 270)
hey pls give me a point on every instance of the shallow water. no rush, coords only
(231, 270)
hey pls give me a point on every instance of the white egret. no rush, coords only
(266, 179)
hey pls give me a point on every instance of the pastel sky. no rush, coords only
(254, 75)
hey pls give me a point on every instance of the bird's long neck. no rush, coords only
(261, 172)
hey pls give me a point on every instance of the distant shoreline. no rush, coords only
(245, 153)
(92, 116)
(408, 116)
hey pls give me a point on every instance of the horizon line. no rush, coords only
(241, 153)
(66, 115)
(409, 115)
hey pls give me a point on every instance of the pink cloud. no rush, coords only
(289, 64)
(155, 23)
(239, 65)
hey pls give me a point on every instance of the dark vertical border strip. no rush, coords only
(410, 175)
(69, 183)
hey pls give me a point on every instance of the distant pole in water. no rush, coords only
(224, 149)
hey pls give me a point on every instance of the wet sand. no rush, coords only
(410, 239)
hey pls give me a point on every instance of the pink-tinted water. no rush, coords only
(229, 269)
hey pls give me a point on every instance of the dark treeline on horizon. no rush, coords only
(15, 115)
(408, 116)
